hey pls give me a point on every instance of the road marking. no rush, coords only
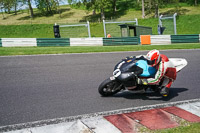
(193, 108)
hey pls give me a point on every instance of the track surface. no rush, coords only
(34, 88)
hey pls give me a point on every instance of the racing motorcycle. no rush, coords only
(127, 71)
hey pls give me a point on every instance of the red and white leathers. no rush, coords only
(165, 72)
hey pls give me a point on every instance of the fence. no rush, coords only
(18, 42)
(86, 42)
(199, 37)
(64, 32)
(160, 39)
(185, 38)
(113, 41)
(119, 22)
(121, 41)
(169, 39)
(53, 42)
(169, 22)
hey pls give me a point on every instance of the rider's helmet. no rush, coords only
(153, 57)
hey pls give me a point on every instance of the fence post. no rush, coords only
(174, 17)
(88, 25)
(160, 22)
(136, 21)
(104, 28)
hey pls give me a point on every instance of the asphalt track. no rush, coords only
(34, 88)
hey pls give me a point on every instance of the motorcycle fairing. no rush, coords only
(147, 70)
(128, 65)
(179, 63)
(139, 66)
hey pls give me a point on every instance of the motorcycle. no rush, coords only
(127, 71)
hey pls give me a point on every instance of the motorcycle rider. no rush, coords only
(161, 63)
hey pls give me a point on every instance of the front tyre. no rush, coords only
(109, 87)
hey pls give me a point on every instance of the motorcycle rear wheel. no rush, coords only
(109, 87)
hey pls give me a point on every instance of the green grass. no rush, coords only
(27, 31)
(191, 128)
(7, 51)
(185, 25)
(188, 24)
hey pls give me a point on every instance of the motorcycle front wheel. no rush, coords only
(109, 87)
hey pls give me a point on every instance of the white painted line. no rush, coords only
(78, 127)
(100, 125)
(194, 108)
(55, 128)
(67, 127)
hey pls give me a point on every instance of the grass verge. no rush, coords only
(191, 128)
(10, 51)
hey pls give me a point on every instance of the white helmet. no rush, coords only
(153, 57)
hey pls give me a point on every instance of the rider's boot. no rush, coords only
(164, 91)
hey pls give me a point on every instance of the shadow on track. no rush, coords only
(174, 92)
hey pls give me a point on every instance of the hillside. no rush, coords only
(187, 21)
(71, 15)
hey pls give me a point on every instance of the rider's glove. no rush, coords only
(142, 81)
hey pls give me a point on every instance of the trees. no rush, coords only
(46, 7)
(152, 6)
(30, 8)
(143, 12)
(110, 7)
(149, 6)
(193, 2)
(1, 7)
(102, 5)
(28, 2)
(98, 5)
(8, 5)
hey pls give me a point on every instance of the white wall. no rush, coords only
(160, 39)
(18, 42)
(86, 41)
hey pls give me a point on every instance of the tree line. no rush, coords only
(147, 6)
(47, 7)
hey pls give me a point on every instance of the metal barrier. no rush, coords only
(121, 41)
(160, 39)
(18, 42)
(86, 41)
(53, 42)
(113, 41)
(185, 38)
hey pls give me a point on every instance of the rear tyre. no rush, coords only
(155, 88)
(109, 87)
